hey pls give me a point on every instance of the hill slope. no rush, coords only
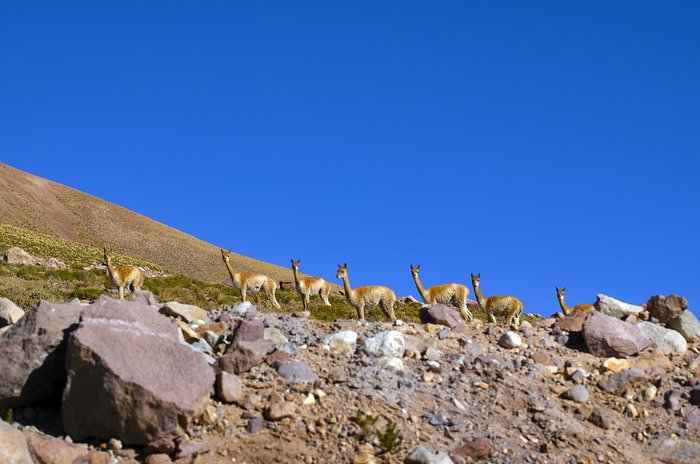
(54, 209)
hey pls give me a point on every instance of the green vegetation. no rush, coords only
(390, 439)
(365, 421)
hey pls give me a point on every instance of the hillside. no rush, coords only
(50, 208)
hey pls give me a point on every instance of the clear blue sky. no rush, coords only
(538, 143)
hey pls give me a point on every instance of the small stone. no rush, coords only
(275, 336)
(254, 425)
(615, 364)
(229, 387)
(577, 393)
(301, 314)
(398, 322)
(428, 377)
(432, 354)
(280, 410)
(309, 400)
(631, 411)
(443, 334)
(541, 357)
(476, 449)
(277, 358)
(249, 331)
(650, 393)
(396, 363)
(296, 371)
(387, 343)
(601, 418)
(158, 459)
(114, 444)
(510, 340)
(672, 399)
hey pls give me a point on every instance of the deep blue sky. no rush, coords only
(541, 144)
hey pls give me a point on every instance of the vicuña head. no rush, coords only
(565, 308)
(250, 281)
(307, 286)
(445, 293)
(507, 307)
(130, 277)
(369, 296)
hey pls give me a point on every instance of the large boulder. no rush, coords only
(13, 446)
(607, 336)
(665, 308)
(669, 341)
(612, 307)
(46, 449)
(16, 255)
(10, 313)
(32, 354)
(447, 316)
(687, 325)
(129, 377)
(388, 343)
(186, 312)
(573, 322)
(242, 356)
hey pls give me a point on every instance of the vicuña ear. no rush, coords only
(557, 289)
(345, 265)
(418, 267)
(563, 289)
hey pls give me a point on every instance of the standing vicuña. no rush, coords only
(566, 309)
(245, 281)
(370, 296)
(445, 293)
(123, 276)
(508, 307)
(307, 286)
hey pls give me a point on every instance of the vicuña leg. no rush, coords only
(306, 300)
(270, 290)
(324, 296)
(244, 292)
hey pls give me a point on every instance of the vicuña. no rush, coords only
(445, 293)
(307, 286)
(130, 277)
(370, 296)
(566, 309)
(250, 281)
(507, 307)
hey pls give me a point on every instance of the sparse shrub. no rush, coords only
(86, 293)
(365, 421)
(390, 439)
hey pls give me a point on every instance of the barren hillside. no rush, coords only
(51, 208)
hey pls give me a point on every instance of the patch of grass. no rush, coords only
(365, 421)
(87, 293)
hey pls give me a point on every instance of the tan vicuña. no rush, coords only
(307, 286)
(566, 309)
(445, 293)
(123, 276)
(508, 307)
(250, 281)
(370, 296)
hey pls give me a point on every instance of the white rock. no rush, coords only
(669, 341)
(275, 336)
(389, 343)
(348, 336)
(241, 308)
(616, 308)
(10, 313)
(396, 363)
(687, 325)
(13, 445)
(510, 340)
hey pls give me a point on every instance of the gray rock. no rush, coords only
(10, 313)
(422, 455)
(577, 393)
(616, 308)
(254, 425)
(618, 382)
(445, 315)
(229, 387)
(188, 313)
(676, 451)
(665, 308)
(669, 341)
(249, 331)
(432, 354)
(129, 377)
(510, 340)
(388, 343)
(475, 349)
(602, 418)
(13, 446)
(296, 372)
(687, 325)
(16, 255)
(607, 336)
(672, 399)
(145, 297)
(346, 336)
(32, 354)
(242, 356)
(275, 336)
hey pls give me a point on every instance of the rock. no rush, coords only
(651, 360)
(577, 393)
(343, 342)
(144, 297)
(422, 455)
(672, 399)
(275, 336)
(695, 395)
(161, 445)
(479, 448)
(158, 458)
(417, 344)
(217, 328)
(615, 308)
(573, 322)
(649, 393)
(32, 354)
(188, 334)
(16, 255)
(388, 343)
(510, 340)
(541, 357)
(601, 418)
(669, 341)
(432, 354)
(665, 308)
(242, 309)
(396, 363)
(296, 371)
(676, 451)
(254, 425)
(280, 410)
(10, 313)
(248, 331)
(606, 336)
(49, 450)
(618, 382)
(188, 313)
(13, 446)
(445, 315)
(615, 365)
(242, 356)
(687, 325)
(277, 358)
(229, 387)
(129, 377)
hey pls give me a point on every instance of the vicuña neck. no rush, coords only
(231, 272)
(349, 292)
(110, 269)
(479, 297)
(420, 288)
(563, 305)
(296, 276)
